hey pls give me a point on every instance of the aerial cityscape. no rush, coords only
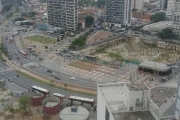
(89, 59)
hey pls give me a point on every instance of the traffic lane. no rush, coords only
(26, 82)
(65, 78)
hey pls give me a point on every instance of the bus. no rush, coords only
(22, 53)
(40, 89)
(82, 100)
(60, 96)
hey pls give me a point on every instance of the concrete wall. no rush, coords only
(101, 107)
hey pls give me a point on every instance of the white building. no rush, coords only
(118, 13)
(137, 4)
(157, 27)
(177, 112)
(123, 101)
(176, 18)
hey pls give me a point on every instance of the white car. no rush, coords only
(72, 78)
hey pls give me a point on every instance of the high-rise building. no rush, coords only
(118, 12)
(176, 18)
(137, 4)
(63, 13)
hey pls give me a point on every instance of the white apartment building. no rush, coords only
(176, 18)
(63, 13)
(123, 101)
(118, 13)
(137, 4)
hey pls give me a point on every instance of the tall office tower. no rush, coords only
(176, 18)
(163, 4)
(118, 12)
(63, 13)
(137, 4)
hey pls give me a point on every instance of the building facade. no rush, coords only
(171, 6)
(137, 4)
(118, 12)
(177, 112)
(176, 18)
(117, 101)
(63, 13)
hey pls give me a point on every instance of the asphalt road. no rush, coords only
(26, 82)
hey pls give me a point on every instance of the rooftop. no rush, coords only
(137, 87)
(155, 65)
(133, 116)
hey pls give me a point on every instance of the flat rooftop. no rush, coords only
(114, 94)
(159, 95)
(51, 104)
(154, 65)
(133, 116)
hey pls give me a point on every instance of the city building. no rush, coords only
(163, 4)
(63, 14)
(137, 5)
(171, 6)
(118, 13)
(157, 27)
(177, 112)
(123, 101)
(176, 18)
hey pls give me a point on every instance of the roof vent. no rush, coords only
(74, 109)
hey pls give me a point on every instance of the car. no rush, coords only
(17, 75)
(58, 78)
(9, 80)
(16, 53)
(18, 57)
(72, 78)
(49, 71)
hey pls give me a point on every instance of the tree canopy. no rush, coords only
(89, 20)
(158, 17)
(24, 102)
(78, 42)
(167, 34)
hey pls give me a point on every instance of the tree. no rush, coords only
(58, 40)
(158, 17)
(46, 47)
(167, 34)
(89, 20)
(24, 102)
(100, 3)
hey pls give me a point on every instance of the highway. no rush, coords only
(41, 70)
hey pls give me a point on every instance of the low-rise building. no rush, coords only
(81, 24)
(157, 27)
(123, 101)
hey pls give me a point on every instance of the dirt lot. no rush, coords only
(99, 35)
(137, 50)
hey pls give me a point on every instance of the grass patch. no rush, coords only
(41, 39)
(52, 85)
(2, 50)
(115, 56)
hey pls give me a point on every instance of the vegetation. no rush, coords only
(2, 50)
(24, 102)
(158, 17)
(10, 14)
(115, 56)
(46, 47)
(30, 14)
(89, 20)
(137, 28)
(78, 42)
(99, 3)
(19, 19)
(167, 34)
(41, 39)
